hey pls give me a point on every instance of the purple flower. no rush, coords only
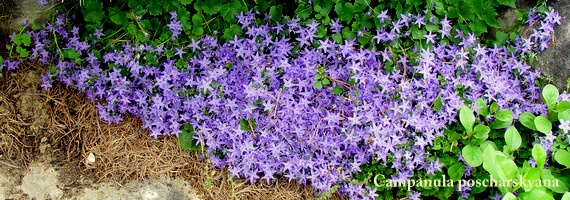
(414, 195)
(98, 33)
(335, 26)
(42, 3)
(174, 26)
(383, 15)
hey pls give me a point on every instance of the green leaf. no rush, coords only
(513, 139)
(556, 185)
(467, 118)
(437, 104)
(493, 108)
(229, 11)
(472, 155)
(336, 90)
(539, 155)
(562, 157)
(452, 12)
(489, 157)
(531, 175)
(565, 115)
(527, 120)
(326, 6)
(501, 38)
(566, 196)
(70, 53)
(212, 7)
(185, 2)
(275, 13)
(561, 106)
(535, 194)
(119, 18)
(507, 166)
(146, 24)
(484, 145)
(489, 17)
(197, 30)
(503, 115)
(23, 52)
(154, 7)
(466, 12)
(510, 3)
(456, 171)
(247, 125)
(185, 138)
(481, 131)
(498, 124)
(26, 39)
(93, 12)
(304, 11)
(345, 12)
(550, 94)
(326, 81)
(499, 166)
(477, 6)
(509, 196)
(197, 19)
(16, 39)
(230, 32)
(479, 26)
(483, 110)
(543, 124)
(318, 85)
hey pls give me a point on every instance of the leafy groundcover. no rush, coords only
(369, 99)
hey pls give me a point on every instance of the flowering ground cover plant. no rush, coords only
(308, 100)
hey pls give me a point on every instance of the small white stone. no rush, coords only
(91, 158)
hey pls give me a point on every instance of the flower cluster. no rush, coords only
(285, 102)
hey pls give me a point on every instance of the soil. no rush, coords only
(37, 162)
(53, 146)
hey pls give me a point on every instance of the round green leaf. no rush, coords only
(566, 196)
(531, 175)
(527, 120)
(513, 139)
(557, 185)
(509, 196)
(506, 169)
(498, 124)
(543, 124)
(456, 171)
(472, 155)
(562, 157)
(481, 131)
(535, 194)
(565, 115)
(493, 108)
(550, 94)
(562, 106)
(503, 115)
(483, 110)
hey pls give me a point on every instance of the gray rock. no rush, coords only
(555, 61)
(22, 10)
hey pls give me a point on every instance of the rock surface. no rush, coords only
(555, 61)
(22, 10)
(44, 181)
